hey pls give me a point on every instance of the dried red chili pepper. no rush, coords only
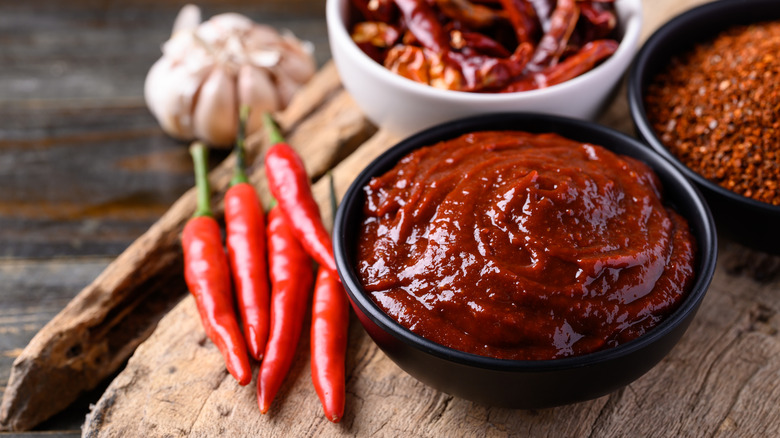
(329, 324)
(479, 43)
(289, 183)
(585, 59)
(420, 19)
(412, 63)
(599, 22)
(523, 18)
(375, 38)
(552, 45)
(207, 275)
(485, 73)
(487, 45)
(245, 238)
(291, 279)
(376, 10)
(473, 15)
(573, 66)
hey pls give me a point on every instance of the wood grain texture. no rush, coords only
(85, 167)
(65, 92)
(723, 378)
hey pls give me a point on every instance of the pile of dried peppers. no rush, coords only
(270, 267)
(486, 45)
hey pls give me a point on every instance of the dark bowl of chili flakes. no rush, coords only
(704, 92)
(454, 364)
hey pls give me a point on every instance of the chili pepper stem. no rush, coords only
(334, 203)
(199, 154)
(273, 130)
(239, 176)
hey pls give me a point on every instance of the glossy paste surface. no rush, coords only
(523, 246)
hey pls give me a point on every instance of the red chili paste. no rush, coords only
(523, 246)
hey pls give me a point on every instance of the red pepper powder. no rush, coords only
(717, 109)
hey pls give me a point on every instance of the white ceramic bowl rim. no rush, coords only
(629, 19)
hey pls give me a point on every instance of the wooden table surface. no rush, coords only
(85, 169)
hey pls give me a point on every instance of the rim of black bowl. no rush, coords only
(703, 23)
(389, 158)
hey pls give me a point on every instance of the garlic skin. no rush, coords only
(257, 91)
(209, 69)
(216, 112)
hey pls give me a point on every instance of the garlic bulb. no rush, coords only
(210, 69)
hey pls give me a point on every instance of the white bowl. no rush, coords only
(403, 106)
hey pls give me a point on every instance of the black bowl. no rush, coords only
(514, 383)
(748, 221)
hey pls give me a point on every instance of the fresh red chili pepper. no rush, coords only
(329, 325)
(245, 230)
(289, 184)
(291, 279)
(207, 275)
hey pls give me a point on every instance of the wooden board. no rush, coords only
(722, 379)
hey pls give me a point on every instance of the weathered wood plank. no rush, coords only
(98, 49)
(722, 379)
(82, 185)
(32, 291)
(732, 383)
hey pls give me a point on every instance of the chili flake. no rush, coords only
(717, 109)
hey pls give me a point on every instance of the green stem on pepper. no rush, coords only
(239, 175)
(199, 155)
